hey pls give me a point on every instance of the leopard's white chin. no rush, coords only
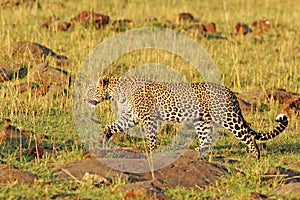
(92, 106)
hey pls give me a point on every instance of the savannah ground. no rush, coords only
(246, 63)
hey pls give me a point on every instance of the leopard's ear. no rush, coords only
(103, 81)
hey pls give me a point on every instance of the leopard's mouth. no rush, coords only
(93, 102)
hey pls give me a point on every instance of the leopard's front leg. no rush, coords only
(150, 129)
(123, 123)
(204, 133)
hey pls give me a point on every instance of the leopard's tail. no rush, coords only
(283, 122)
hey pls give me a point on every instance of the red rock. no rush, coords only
(242, 29)
(263, 24)
(99, 20)
(211, 27)
(205, 28)
(185, 17)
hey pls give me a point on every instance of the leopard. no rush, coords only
(141, 100)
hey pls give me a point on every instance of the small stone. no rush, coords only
(96, 179)
(144, 190)
(258, 196)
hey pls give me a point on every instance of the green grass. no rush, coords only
(243, 64)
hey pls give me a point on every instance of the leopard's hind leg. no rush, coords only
(237, 125)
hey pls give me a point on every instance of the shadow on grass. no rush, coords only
(264, 148)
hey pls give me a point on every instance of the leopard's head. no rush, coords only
(98, 92)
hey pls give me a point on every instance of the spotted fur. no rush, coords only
(142, 100)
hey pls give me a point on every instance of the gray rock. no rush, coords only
(290, 189)
(287, 175)
(10, 174)
(258, 196)
(188, 171)
(49, 75)
(29, 50)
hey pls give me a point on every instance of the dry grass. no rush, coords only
(246, 63)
